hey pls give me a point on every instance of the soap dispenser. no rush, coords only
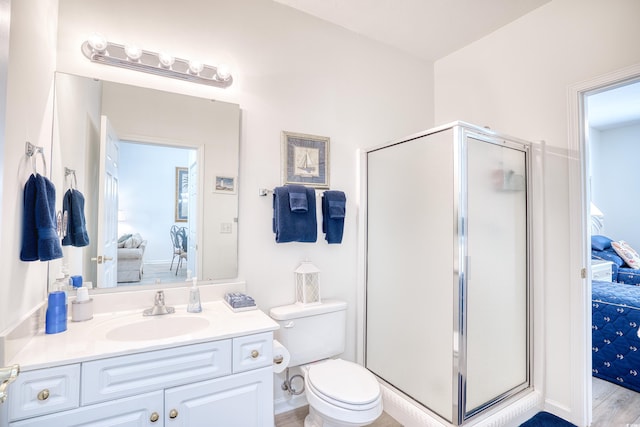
(194, 305)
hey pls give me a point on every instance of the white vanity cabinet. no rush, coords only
(218, 383)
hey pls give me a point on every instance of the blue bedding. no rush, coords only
(615, 341)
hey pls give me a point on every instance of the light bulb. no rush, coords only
(98, 42)
(133, 52)
(166, 60)
(223, 72)
(195, 66)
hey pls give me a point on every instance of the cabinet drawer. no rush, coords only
(129, 375)
(138, 411)
(44, 391)
(252, 352)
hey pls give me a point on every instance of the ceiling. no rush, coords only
(428, 29)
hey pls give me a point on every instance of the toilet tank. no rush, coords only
(311, 332)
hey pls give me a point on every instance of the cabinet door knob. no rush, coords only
(173, 414)
(154, 417)
(255, 354)
(43, 395)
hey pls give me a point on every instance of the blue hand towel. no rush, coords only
(333, 212)
(48, 242)
(298, 198)
(29, 249)
(73, 205)
(294, 226)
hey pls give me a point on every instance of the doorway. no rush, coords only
(586, 126)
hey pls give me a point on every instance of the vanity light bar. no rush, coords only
(160, 64)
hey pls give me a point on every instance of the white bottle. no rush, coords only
(62, 284)
(194, 305)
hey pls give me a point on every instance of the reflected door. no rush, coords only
(107, 257)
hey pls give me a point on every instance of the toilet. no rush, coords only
(340, 393)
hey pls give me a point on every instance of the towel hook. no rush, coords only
(31, 151)
(72, 172)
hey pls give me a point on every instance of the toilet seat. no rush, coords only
(360, 392)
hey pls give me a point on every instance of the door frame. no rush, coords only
(579, 239)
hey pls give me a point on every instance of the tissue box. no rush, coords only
(237, 301)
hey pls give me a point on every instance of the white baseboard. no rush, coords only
(557, 409)
(286, 404)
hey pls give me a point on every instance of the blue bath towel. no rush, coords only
(39, 237)
(298, 198)
(334, 208)
(48, 241)
(294, 226)
(29, 249)
(73, 205)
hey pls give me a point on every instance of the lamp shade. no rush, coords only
(307, 280)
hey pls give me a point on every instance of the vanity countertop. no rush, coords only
(91, 340)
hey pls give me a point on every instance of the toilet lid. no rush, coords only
(344, 381)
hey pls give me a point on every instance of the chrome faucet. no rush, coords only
(158, 306)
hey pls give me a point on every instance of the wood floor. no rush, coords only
(296, 419)
(614, 406)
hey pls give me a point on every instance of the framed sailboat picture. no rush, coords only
(305, 159)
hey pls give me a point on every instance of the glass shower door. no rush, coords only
(496, 279)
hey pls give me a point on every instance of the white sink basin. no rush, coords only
(153, 328)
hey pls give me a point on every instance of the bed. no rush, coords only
(615, 341)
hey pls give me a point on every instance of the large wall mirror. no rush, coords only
(158, 173)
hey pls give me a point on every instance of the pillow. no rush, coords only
(134, 241)
(137, 240)
(600, 243)
(608, 255)
(627, 253)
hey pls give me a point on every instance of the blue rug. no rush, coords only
(545, 419)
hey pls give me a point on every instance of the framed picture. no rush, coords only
(224, 184)
(305, 159)
(182, 194)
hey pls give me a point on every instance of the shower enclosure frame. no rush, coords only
(460, 414)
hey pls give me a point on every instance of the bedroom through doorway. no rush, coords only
(611, 117)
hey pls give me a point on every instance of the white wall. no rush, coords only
(615, 178)
(147, 194)
(32, 52)
(291, 72)
(516, 81)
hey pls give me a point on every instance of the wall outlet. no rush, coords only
(225, 227)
